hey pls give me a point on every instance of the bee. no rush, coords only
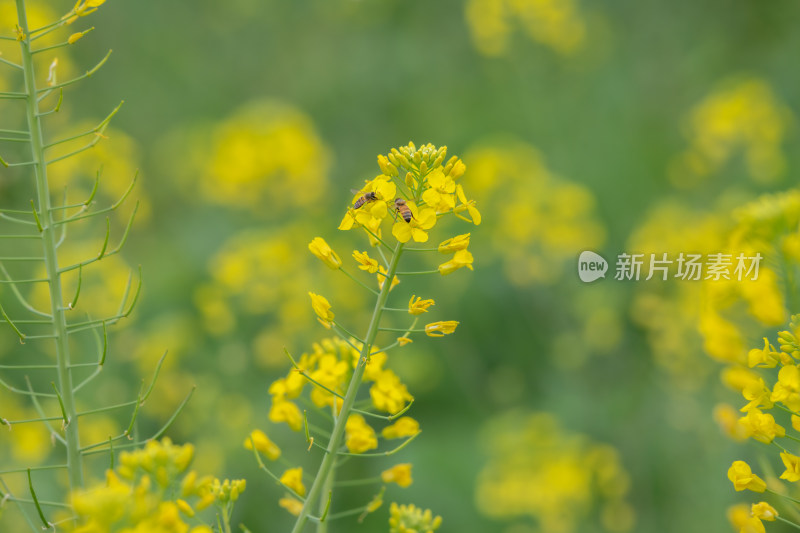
(402, 208)
(364, 198)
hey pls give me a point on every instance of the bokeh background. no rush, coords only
(558, 406)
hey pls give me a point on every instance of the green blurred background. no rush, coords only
(611, 127)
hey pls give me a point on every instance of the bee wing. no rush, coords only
(356, 191)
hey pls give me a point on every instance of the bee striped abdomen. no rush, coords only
(402, 208)
(367, 197)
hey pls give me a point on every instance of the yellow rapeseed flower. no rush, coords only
(738, 515)
(441, 328)
(365, 261)
(359, 436)
(404, 427)
(766, 357)
(757, 394)
(263, 444)
(787, 389)
(461, 258)
(792, 464)
(761, 426)
(321, 249)
(286, 411)
(323, 309)
(185, 508)
(419, 306)
(293, 478)
(752, 525)
(459, 242)
(372, 213)
(382, 278)
(417, 229)
(743, 478)
(406, 518)
(388, 393)
(400, 474)
(440, 192)
(331, 373)
(468, 206)
(727, 418)
(293, 505)
(387, 167)
(764, 511)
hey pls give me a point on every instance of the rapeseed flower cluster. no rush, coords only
(771, 415)
(265, 150)
(346, 381)
(766, 376)
(563, 481)
(743, 116)
(543, 221)
(558, 24)
(411, 519)
(152, 490)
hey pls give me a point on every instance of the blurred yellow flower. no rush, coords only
(739, 515)
(382, 278)
(400, 474)
(286, 411)
(293, 505)
(404, 427)
(540, 220)
(266, 157)
(742, 115)
(557, 24)
(263, 444)
(185, 508)
(727, 418)
(408, 518)
(293, 478)
(536, 469)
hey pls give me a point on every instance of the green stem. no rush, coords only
(226, 520)
(324, 501)
(337, 436)
(789, 522)
(74, 466)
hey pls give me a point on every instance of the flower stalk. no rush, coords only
(324, 475)
(49, 239)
